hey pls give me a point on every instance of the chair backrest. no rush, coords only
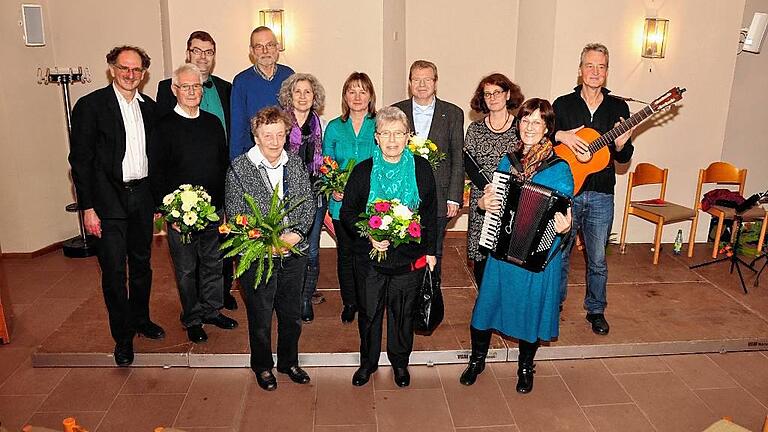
(721, 173)
(648, 174)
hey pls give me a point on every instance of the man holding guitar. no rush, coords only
(591, 106)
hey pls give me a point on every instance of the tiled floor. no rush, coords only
(668, 393)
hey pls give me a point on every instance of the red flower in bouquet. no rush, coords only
(382, 206)
(374, 222)
(414, 229)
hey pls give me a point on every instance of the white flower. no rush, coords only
(402, 212)
(190, 218)
(189, 197)
(168, 199)
(424, 151)
(418, 140)
(385, 221)
(185, 187)
(187, 207)
(175, 213)
(205, 196)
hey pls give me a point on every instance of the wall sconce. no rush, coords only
(655, 37)
(273, 18)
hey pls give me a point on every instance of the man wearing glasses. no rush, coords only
(110, 128)
(201, 52)
(188, 146)
(255, 88)
(442, 123)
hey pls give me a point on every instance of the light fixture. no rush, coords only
(273, 18)
(655, 37)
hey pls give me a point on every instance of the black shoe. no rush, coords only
(361, 376)
(599, 324)
(266, 380)
(221, 321)
(525, 378)
(296, 374)
(348, 314)
(150, 330)
(402, 377)
(229, 302)
(196, 334)
(474, 368)
(307, 313)
(124, 353)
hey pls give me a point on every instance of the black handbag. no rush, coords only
(430, 309)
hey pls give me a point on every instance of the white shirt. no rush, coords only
(180, 111)
(275, 173)
(422, 117)
(135, 165)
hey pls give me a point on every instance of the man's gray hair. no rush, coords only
(185, 68)
(391, 114)
(594, 47)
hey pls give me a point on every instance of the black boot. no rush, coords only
(310, 284)
(481, 341)
(525, 366)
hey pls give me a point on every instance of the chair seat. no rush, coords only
(753, 214)
(671, 212)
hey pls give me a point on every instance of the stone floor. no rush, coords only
(55, 300)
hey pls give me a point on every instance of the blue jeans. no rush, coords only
(313, 253)
(593, 216)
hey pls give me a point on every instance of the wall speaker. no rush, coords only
(32, 17)
(756, 33)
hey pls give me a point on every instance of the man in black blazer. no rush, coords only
(110, 128)
(201, 51)
(443, 123)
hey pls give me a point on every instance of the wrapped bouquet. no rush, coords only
(425, 148)
(188, 209)
(333, 178)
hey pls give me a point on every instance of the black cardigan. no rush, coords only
(398, 258)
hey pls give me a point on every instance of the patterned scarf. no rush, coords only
(394, 180)
(537, 154)
(315, 140)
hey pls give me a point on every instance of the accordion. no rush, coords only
(523, 231)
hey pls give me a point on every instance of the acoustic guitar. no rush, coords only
(599, 155)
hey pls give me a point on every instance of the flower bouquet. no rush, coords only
(425, 148)
(389, 220)
(256, 236)
(189, 209)
(333, 178)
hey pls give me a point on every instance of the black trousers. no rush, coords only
(345, 263)
(442, 223)
(395, 293)
(128, 240)
(198, 274)
(282, 294)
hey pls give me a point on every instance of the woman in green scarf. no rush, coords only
(391, 283)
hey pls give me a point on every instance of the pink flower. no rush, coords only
(374, 222)
(414, 229)
(382, 206)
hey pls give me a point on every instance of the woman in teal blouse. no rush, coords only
(347, 138)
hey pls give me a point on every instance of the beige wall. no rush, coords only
(746, 134)
(534, 42)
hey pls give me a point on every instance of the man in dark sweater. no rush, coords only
(591, 106)
(189, 146)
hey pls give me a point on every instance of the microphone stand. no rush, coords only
(761, 254)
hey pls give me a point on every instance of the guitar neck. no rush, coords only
(610, 136)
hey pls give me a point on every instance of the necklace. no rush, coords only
(490, 123)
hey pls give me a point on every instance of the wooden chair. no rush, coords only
(660, 212)
(723, 173)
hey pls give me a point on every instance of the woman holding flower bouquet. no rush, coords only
(265, 169)
(512, 300)
(349, 138)
(488, 140)
(396, 195)
(303, 98)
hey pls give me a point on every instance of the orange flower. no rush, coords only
(225, 229)
(327, 160)
(334, 165)
(241, 220)
(324, 169)
(254, 233)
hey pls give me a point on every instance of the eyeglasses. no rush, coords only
(493, 94)
(426, 81)
(387, 135)
(129, 70)
(268, 47)
(187, 87)
(200, 53)
(537, 124)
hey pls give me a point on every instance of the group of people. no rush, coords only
(263, 134)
